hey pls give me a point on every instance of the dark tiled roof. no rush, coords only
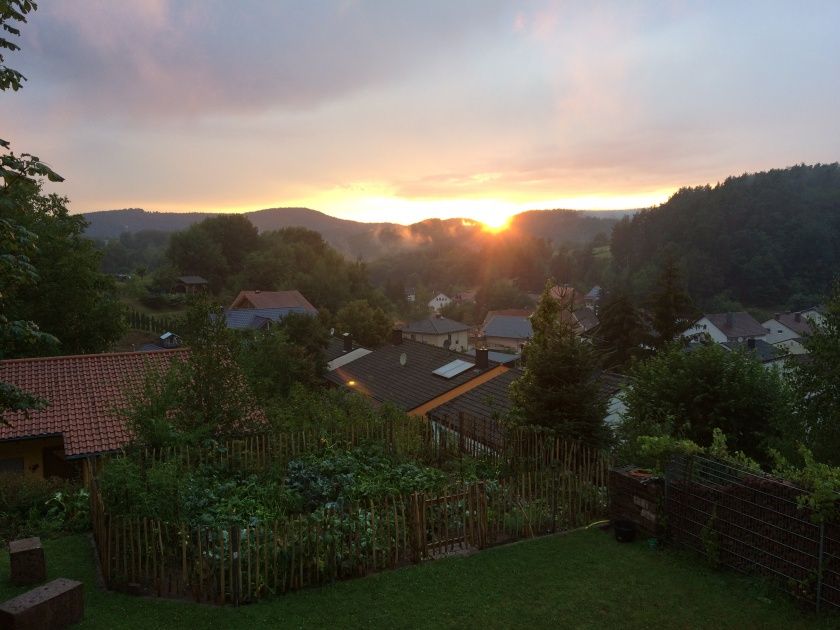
(738, 324)
(508, 326)
(487, 400)
(379, 375)
(798, 324)
(763, 351)
(435, 326)
(273, 299)
(85, 394)
(257, 318)
(502, 358)
(586, 319)
(192, 280)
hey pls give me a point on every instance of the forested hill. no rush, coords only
(762, 239)
(363, 240)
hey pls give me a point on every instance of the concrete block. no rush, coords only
(56, 604)
(26, 557)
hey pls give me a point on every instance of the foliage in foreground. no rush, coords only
(220, 496)
(687, 394)
(559, 388)
(34, 506)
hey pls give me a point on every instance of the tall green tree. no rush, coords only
(670, 306)
(288, 355)
(817, 381)
(369, 325)
(203, 396)
(620, 330)
(559, 388)
(71, 300)
(687, 393)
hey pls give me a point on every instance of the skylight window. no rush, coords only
(454, 368)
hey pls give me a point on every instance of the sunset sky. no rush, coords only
(397, 110)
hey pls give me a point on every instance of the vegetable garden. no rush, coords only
(237, 521)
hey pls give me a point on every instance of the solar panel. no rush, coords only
(453, 369)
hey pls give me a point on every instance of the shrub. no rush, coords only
(34, 506)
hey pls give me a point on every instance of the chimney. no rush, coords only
(396, 336)
(482, 360)
(797, 317)
(730, 320)
(348, 341)
(751, 343)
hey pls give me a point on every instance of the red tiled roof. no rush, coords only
(272, 299)
(85, 394)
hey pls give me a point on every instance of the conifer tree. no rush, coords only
(670, 306)
(620, 330)
(559, 388)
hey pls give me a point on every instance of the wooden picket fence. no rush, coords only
(552, 486)
(152, 323)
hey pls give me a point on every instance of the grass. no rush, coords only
(580, 580)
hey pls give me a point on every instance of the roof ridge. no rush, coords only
(92, 355)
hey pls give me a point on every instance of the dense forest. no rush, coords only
(354, 239)
(763, 241)
(769, 239)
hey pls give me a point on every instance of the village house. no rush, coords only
(440, 301)
(259, 318)
(476, 415)
(567, 295)
(190, 285)
(723, 327)
(507, 329)
(593, 298)
(465, 297)
(786, 330)
(765, 353)
(85, 395)
(272, 300)
(439, 331)
(413, 376)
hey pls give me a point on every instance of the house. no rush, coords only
(85, 395)
(476, 414)
(765, 353)
(439, 331)
(259, 318)
(584, 320)
(465, 297)
(439, 301)
(410, 295)
(341, 350)
(786, 330)
(413, 376)
(507, 329)
(272, 299)
(593, 297)
(723, 327)
(567, 295)
(190, 285)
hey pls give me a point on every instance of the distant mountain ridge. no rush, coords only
(355, 238)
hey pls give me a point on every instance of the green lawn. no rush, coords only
(580, 580)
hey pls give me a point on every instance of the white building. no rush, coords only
(439, 301)
(724, 327)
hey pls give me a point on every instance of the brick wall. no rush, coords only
(636, 499)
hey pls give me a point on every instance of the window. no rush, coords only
(11, 465)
